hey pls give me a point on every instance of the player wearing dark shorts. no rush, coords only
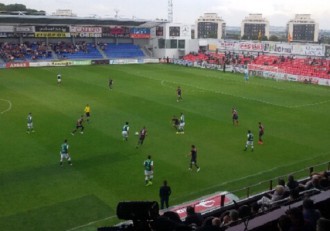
(175, 122)
(79, 125)
(261, 133)
(179, 94)
(193, 160)
(110, 84)
(235, 116)
(142, 136)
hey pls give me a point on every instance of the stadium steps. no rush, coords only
(101, 52)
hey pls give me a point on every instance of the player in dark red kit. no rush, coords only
(142, 136)
(261, 133)
(79, 124)
(193, 160)
(179, 94)
(175, 122)
(234, 116)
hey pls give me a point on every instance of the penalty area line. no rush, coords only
(9, 107)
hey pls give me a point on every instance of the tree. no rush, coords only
(245, 37)
(2, 6)
(15, 7)
(273, 38)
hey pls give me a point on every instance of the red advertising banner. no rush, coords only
(17, 65)
(204, 205)
(140, 36)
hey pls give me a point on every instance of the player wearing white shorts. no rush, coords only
(125, 131)
(182, 123)
(64, 153)
(29, 123)
(59, 79)
(148, 170)
(249, 141)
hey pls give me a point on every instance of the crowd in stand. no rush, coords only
(299, 218)
(13, 52)
(62, 49)
(306, 66)
(26, 51)
(226, 58)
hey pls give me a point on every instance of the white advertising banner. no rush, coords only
(308, 49)
(6, 28)
(86, 29)
(278, 48)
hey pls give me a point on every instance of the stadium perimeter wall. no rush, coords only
(62, 63)
(257, 70)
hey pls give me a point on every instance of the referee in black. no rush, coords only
(164, 194)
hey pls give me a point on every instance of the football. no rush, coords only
(136, 133)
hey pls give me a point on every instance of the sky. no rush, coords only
(278, 12)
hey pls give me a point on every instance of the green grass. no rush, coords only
(39, 195)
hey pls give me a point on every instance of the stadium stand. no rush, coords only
(79, 50)
(11, 52)
(304, 66)
(122, 50)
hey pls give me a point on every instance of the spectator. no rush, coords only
(292, 183)
(297, 220)
(281, 181)
(313, 183)
(311, 215)
(277, 195)
(173, 216)
(284, 223)
(206, 224)
(193, 217)
(323, 224)
(255, 208)
(230, 218)
(164, 194)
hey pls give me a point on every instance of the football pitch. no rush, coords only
(37, 194)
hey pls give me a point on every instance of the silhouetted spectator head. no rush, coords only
(163, 223)
(284, 223)
(207, 222)
(216, 222)
(190, 210)
(296, 216)
(173, 216)
(281, 181)
(244, 211)
(290, 178)
(233, 215)
(322, 224)
(308, 203)
(255, 208)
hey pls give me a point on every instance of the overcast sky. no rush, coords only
(278, 12)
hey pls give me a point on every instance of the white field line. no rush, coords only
(9, 105)
(163, 83)
(91, 223)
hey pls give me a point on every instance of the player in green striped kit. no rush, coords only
(148, 170)
(249, 141)
(125, 131)
(29, 123)
(65, 153)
